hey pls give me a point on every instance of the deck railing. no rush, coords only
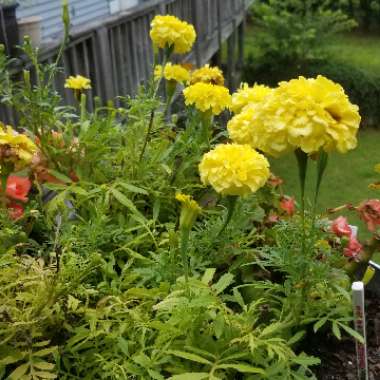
(117, 55)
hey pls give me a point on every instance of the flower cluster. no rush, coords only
(78, 83)
(207, 97)
(342, 229)
(170, 32)
(172, 72)
(306, 114)
(233, 169)
(246, 96)
(16, 149)
(207, 74)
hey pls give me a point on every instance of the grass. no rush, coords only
(346, 179)
(362, 50)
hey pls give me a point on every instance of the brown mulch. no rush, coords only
(339, 357)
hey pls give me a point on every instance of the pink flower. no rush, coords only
(288, 205)
(18, 188)
(340, 227)
(370, 213)
(353, 248)
(273, 218)
(15, 210)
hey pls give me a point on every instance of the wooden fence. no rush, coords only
(117, 55)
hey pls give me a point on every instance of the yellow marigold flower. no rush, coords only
(189, 211)
(169, 31)
(188, 201)
(172, 72)
(377, 168)
(320, 115)
(248, 95)
(240, 127)
(310, 114)
(208, 97)
(207, 74)
(15, 148)
(78, 83)
(233, 169)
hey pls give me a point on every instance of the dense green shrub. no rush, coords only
(363, 87)
(296, 30)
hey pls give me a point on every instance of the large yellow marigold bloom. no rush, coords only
(309, 114)
(208, 97)
(248, 95)
(172, 72)
(78, 83)
(207, 74)
(15, 148)
(233, 169)
(169, 31)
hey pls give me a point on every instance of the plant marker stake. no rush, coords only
(360, 327)
(374, 265)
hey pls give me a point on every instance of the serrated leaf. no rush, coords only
(44, 366)
(224, 282)
(336, 330)
(319, 324)
(45, 351)
(60, 176)
(208, 275)
(352, 332)
(133, 189)
(45, 375)
(121, 198)
(238, 298)
(19, 372)
(296, 337)
(243, 368)
(190, 376)
(189, 356)
(306, 361)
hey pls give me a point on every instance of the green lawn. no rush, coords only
(346, 179)
(362, 50)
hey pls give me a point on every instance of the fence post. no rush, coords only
(103, 55)
(196, 12)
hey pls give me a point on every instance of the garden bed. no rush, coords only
(338, 358)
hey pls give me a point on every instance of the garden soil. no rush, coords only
(339, 357)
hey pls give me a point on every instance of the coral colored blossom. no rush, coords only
(353, 248)
(369, 212)
(275, 181)
(18, 188)
(340, 227)
(288, 205)
(15, 210)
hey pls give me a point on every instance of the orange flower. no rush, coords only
(369, 212)
(18, 188)
(15, 210)
(288, 205)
